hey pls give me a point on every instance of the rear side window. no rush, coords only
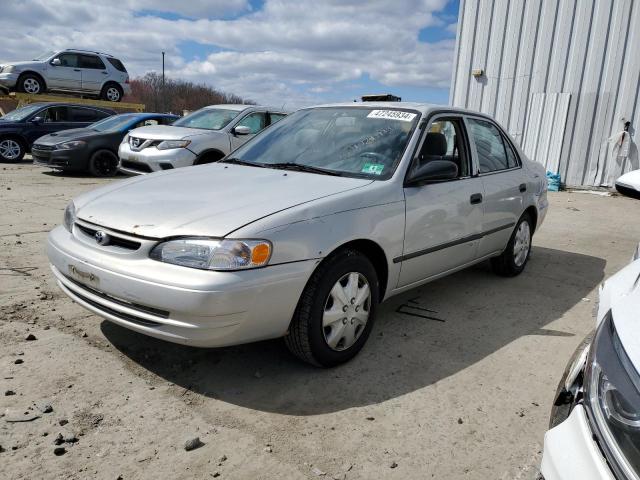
(492, 153)
(86, 115)
(117, 64)
(91, 61)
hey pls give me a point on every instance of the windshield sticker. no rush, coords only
(392, 115)
(373, 168)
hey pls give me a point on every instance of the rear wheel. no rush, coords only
(32, 84)
(336, 311)
(103, 163)
(516, 255)
(11, 150)
(111, 93)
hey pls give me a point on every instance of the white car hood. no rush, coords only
(209, 200)
(168, 132)
(20, 64)
(630, 180)
(621, 294)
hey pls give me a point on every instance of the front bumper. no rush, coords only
(46, 156)
(9, 80)
(182, 305)
(151, 159)
(571, 453)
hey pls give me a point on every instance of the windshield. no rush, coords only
(44, 56)
(113, 123)
(208, 119)
(21, 113)
(351, 141)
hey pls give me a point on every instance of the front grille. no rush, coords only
(138, 166)
(43, 148)
(113, 239)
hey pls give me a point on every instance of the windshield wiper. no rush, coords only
(302, 168)
(237, 161)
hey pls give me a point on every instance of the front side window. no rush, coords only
(276, 117)
(255, 121)
(207, 119)
(55, 115)
(444, 142)
(68, 60)
(492, 154)
(348, 141)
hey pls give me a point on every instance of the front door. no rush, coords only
(444, 219)
(50, 120)
(501, 173)
(67, 75)
(256, 121)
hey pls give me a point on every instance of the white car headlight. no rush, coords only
(69, 216)
(71, 145)
(212, 254)
(168, 144)
(126, 138)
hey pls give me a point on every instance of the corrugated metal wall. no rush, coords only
(561, 76)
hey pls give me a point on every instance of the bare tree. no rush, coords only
(177, 95)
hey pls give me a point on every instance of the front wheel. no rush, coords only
(32, 84)
(11, 150)
(336, 311)
(103, 163)
(516, 255)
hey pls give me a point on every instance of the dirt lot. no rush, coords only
(466, 398)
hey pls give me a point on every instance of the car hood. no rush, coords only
(622, 296)
(66, 135)
(20, 64)
(167, 132)
(208, 200)
(630, 180)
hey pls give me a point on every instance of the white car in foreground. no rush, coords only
(629, 184)
(595, 420)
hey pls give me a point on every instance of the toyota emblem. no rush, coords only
(101, 237)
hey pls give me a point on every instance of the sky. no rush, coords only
(276, 52)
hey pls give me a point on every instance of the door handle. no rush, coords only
(105, 73)
(475, 198)
(523, 187)
(76, 69)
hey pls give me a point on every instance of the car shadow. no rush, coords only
(406, 351)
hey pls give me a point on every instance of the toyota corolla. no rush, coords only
(304, 230)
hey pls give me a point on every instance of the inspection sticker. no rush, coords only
(373, 168)
(392, 115)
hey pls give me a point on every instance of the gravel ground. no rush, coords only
(467, 397)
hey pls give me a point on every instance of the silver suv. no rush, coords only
(76, 71)
(203, 136)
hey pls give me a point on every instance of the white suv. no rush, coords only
(76, 71)
(204, 136)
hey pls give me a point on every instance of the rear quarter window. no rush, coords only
(117, 64)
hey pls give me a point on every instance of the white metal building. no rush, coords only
(562, 76)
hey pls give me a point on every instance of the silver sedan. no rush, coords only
(304, 230)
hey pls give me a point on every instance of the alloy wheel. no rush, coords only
(113, 94)
(31, 85)
(346, 311)
(10, 149)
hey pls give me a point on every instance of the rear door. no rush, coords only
(94, 72)
(444, 219)
(85, 116)
(67, 75)
(501, 172)
(256, 121)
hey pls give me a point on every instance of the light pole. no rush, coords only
(162, 90)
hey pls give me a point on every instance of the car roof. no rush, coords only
(78, 50)
(424, 108)
(240, 107)
(65, 104)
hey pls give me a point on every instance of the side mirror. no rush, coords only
(56, 62)
(36, 120)
(434, 171)
(241, 130)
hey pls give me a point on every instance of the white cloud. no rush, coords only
(290, 49)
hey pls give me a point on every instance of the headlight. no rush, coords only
(71, 145)
(613, 400)
(69, 216)
(126, 138)
(211, 254)
(167, 144)
(10, 69)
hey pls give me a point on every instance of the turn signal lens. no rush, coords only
(260, 254)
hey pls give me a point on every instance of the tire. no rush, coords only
(341, 338)
(30, 83)
(11, 150)
(210, 157)
(103, 163)
(111, 93)
(515, 257)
